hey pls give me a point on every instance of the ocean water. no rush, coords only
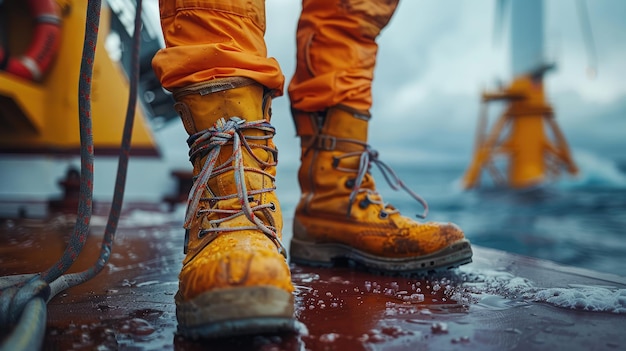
(578, 221)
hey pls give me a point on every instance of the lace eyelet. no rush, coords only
(364, 203)
(201, 234)
(383, 215)
(272, 207)
(349, 183)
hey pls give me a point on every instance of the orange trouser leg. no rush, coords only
(337, 53)
(209, 39)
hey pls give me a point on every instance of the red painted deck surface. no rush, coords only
(130, 305)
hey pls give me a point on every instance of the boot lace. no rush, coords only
(366, 158)
(209, 142)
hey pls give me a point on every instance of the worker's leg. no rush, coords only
(235, 278)
(340, 213)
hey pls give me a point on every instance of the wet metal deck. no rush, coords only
(130, 305)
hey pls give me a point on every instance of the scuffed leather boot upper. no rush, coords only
(234, 221)
(339, 202)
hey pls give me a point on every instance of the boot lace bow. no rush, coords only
(209, 143)
(366, 158)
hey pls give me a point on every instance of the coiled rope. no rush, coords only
(23, 298)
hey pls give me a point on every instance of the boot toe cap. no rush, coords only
(234, 269)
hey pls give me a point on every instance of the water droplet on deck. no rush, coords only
(462, 339)
(439, 328)
(393, 331)
(137, 326)
(338, 280)
(375, 337)
(363, 338)
(328, 338)
(417, 297)
(305, 277)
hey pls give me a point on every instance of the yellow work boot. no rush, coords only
(235, 278)
(341, 216)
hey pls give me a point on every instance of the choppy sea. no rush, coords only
(577, 221)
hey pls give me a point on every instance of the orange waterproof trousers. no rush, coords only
(209, 39)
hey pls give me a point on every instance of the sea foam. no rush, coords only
(597, 298)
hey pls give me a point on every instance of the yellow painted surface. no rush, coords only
(519, 135)
(525, 147)
(50, 107)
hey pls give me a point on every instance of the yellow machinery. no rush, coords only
(42, 117)
(526, 133)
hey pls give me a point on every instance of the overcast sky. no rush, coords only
(436, 57)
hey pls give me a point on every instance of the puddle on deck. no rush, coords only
(130, 304)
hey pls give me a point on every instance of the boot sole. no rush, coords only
(330, 254)
(231, 312)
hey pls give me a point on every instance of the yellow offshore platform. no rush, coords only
(526, 135)
(39, 113)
